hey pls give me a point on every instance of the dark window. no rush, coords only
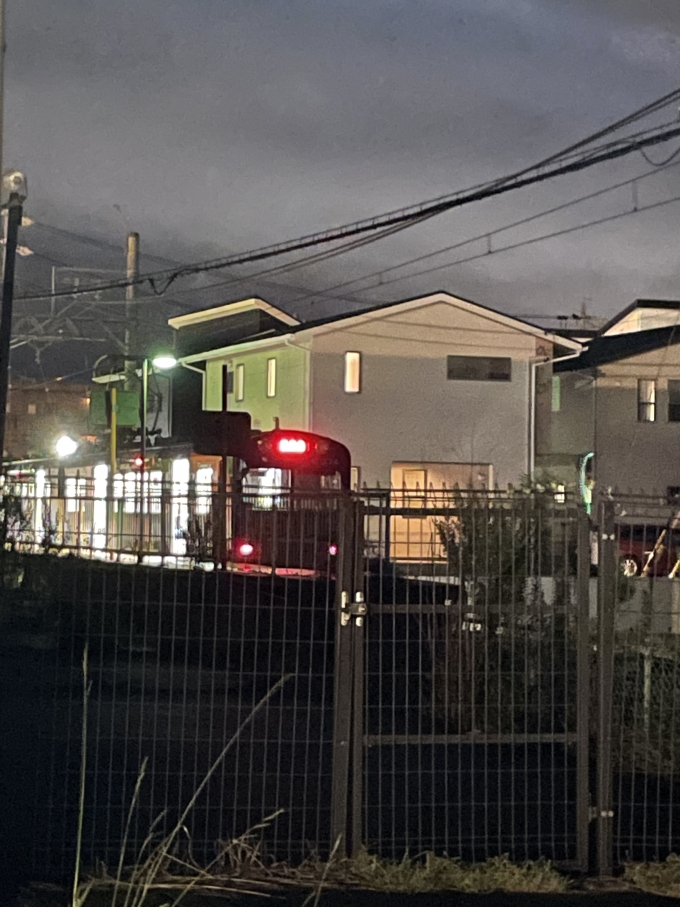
(478, 368)
(673, 491)
(227, 386)
(674, 401)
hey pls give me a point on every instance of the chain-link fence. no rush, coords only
(645, 668)
(470, 673)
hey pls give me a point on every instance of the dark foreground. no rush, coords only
(55, 897)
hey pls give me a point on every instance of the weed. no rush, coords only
(660, 878)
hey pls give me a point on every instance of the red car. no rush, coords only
(654, 547)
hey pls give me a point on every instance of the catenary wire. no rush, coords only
(663, 163)
(422, 212)
(381, 272)
(487, 235)
(527, 242)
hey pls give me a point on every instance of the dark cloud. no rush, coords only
(220, 126)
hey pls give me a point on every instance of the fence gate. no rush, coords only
(638, 681)
(462, 679)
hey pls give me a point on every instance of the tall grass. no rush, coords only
(146, 872)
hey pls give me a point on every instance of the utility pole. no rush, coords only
(2, 81)
(132, 273)
(14, 213)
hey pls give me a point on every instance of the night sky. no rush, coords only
(221, 125)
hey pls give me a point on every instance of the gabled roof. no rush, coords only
(343, 319)
(615, 347)
(670, 304)
(438, 295)
(232, 308)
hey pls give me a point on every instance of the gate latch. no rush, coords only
(349, 609)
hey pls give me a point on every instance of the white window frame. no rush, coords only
(271, 377)
(646, 400)
(353, 372)
(240, 382)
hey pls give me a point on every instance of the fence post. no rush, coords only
(342, 690)
(606, 603)
(348, 728)
(358, 631)
(583, 691)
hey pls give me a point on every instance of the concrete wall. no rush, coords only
(407, 409)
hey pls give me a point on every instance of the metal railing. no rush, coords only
(471, 673)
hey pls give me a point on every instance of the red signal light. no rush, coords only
(245, 549)
(292, 445)
(332, 550)
(138, 461)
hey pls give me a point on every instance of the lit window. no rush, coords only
(239, 382)
(352, 373)
(155, 490)
(271, 377)
(646, 400)
(101, 475)
(556, 401)
(70, 493)
(414, 486)
(355, 478)
(179, 511)
(74, 490)
(478, 368)
(262, 487)
(203, 489)
(32, 409)
(130, 492)
(674, 401)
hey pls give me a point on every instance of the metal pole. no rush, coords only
(606, 605)
(583, 693)
(142, 469)
(2, 79)
(13, 222)
(131, 271)
(114, 429)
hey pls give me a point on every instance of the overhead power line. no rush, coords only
(570, 160)
(528, 242)
(489, 235)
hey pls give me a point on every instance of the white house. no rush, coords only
(423, 391)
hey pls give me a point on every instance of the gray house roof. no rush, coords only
(603, 349)
(251, 321)
(670, 304)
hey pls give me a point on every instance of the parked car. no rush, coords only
(648, 545)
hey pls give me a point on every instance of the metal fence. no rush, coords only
(640, 614)
(467, 673)
(470, 677)
(177, 660)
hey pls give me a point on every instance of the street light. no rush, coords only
(163, 362)
(65, 446)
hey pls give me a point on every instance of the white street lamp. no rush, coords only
(66, 446)
(164, 362)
